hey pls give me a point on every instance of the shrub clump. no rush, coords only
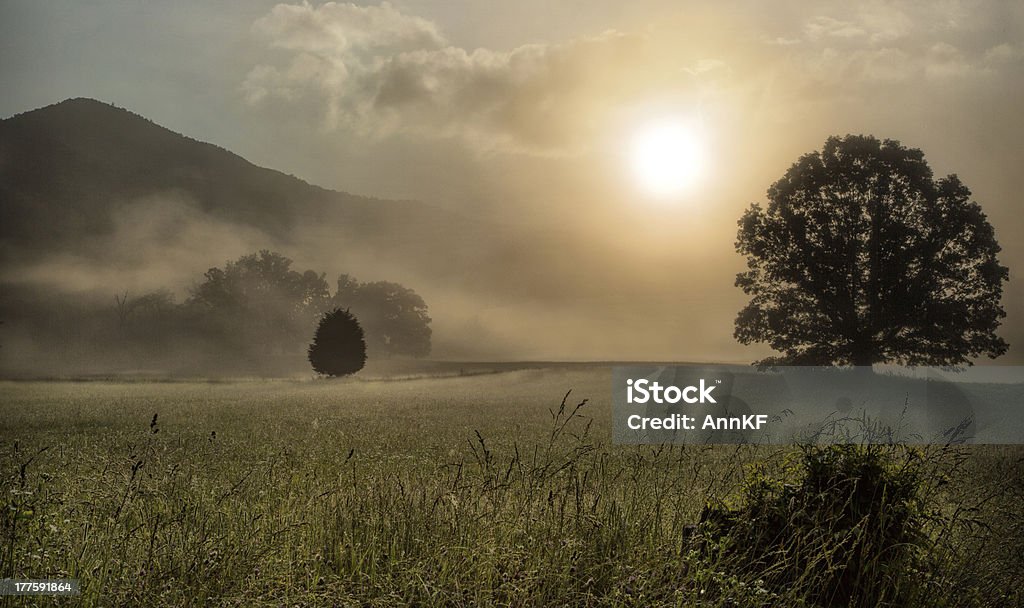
(338, 347)
(849, 531)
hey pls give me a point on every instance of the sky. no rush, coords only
(527, 113)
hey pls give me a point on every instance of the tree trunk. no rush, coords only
(863, 351)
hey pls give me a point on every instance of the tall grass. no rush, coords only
(283, 495)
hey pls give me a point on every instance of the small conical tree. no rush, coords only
(338, 348)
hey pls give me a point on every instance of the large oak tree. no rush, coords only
(861, 256)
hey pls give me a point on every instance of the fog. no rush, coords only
(554, 288)
(505, 130)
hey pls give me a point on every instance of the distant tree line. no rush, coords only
(252, 314)
(260, 296)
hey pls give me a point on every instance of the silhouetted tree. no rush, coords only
(122, 309)
(151, 319)
(153, 304)
(259, 297)
(862, 257)
(338, 348)
(395, 317)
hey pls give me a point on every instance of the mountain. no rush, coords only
(69, 171)
(97, 201)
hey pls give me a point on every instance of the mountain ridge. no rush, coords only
(83, 105)
(69, 170)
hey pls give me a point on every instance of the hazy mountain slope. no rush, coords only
(68, 170)
(97, 201)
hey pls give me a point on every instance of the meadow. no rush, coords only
(444, 489)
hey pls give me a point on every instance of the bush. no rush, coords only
(338, 348)
(850, 531)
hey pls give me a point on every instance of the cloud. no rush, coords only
(334, 52)
(849, 50)
(335, 28)
(824, 27)
(705, 66)
(375, 71)
(1004, 54)
(782, 41)
(947, 61)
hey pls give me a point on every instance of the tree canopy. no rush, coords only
(261, 278)
(260, 299)
(338, 347)
(395, 317)
(861, 256)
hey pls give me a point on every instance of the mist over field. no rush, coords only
(145, 210)
(150, 211)
(499, 147)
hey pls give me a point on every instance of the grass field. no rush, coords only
(448, 490)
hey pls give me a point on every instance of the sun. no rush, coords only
(667, 157)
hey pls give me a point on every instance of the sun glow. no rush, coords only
(667, 157)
